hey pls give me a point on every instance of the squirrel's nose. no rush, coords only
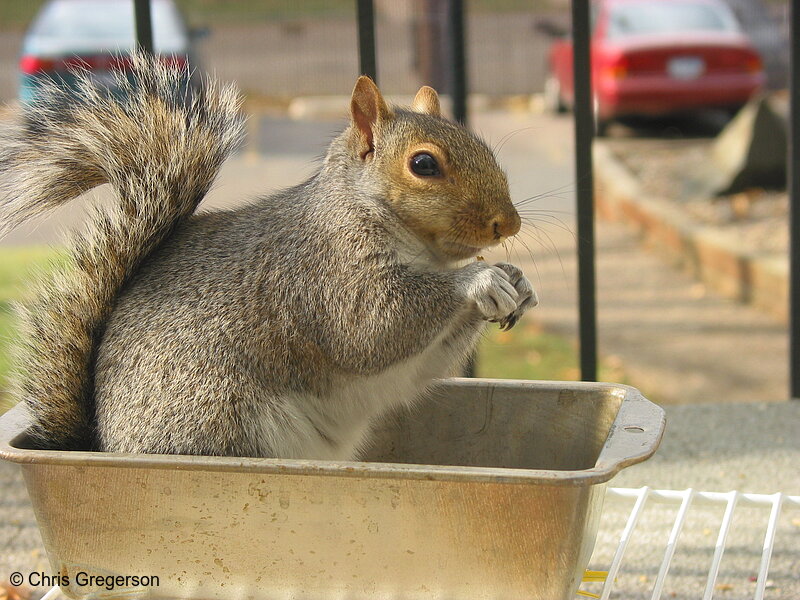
(505, 225)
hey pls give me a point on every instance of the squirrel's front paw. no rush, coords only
(526, 295)
(491, 290)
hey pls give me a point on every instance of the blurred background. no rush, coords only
(278, 49)
(691, 308)
(692, 232)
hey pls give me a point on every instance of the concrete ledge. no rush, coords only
(711, 254)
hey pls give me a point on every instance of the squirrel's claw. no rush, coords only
(508, 322)
(527, 297)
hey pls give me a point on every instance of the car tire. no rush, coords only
(553, 100)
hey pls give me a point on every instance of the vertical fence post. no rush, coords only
(366, 39)
(793, 184)
(456, 20)
(458, 92)
(584, 126)
(144, 26)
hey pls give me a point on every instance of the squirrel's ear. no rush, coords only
(367, 107)
(427, 101)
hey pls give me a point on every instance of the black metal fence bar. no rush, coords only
(459, 60)
(144, 25)
(793, 183)
(458, 91)
(367, 62)
(584, 131)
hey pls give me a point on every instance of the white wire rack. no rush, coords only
(685, 500)
(53, 594)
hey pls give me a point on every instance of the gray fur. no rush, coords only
(282, 328)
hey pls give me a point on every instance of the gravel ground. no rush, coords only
(668, 169)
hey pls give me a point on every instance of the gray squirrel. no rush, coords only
(282, 328)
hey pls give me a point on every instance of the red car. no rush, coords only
(660, 57)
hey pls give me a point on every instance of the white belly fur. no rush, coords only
(335, 427)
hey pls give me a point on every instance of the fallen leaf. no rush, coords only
(14, 592)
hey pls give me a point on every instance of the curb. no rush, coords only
(711, 255)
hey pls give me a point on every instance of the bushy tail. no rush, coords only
(160, 148)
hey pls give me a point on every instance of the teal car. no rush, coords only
(97, 35)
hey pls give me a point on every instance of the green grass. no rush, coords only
(529, 352)
(211, 12)
(525, 352)
(16, 14)
(17, 268)
(19, 264)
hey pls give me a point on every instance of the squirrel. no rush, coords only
(282, 328)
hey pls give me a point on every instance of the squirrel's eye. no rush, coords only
(425, 165)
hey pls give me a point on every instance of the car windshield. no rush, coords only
(642, 18)
(104, 24)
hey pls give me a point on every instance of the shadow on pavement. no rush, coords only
(706, 124)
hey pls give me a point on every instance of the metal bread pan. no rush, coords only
(487, 489)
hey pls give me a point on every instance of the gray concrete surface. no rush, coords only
(677, 342)
(712, 447)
